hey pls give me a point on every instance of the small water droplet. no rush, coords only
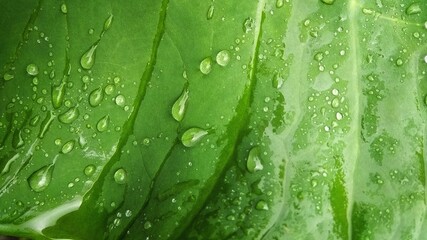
(206, 65)
(147, 225)
(64, 8)
(32, 69)
(88, 58)
(280, 3)
(68, 146)
(8, 76)
(253, 162)
(318, 56)
(89, 170)
(425, 58)
(95, 97)
(192, 136)
(107, 23)
(120, 176)
(128, 213)
(223, 58)
(58, 94)
(45, 125)
(102, 124)
(261, 205)
(17, 140)
(277, 81)
(335, 102)
(120, 100)
(248, 25)
(179, 107)
(210, 12)
(414, 8)
(109, 89)
(40, 179)
(339, 116)
(329, 2)
(69, 116)
(399, 62)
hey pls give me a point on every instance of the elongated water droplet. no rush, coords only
(107, 23)
(102, 124)
(277, 80)
(223, 58)
(206, 65)
(414, 8)
(329, 2)
(89, 170)
(11, 159)
(64, 9)
(253, 163)
(192, 136)
(17, 140)
(88, 58)
(95, 97)
(69, 116)
(32, 69)
(45, 125)
(58, 94)
(279, 3)
(41, 178)
(120, 176)
(8, 76)
(180, 105)
(68, 146)
(35, 120)
(210, 13)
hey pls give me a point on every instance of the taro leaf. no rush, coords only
(213, 120)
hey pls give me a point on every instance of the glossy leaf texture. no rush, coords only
(268, 119)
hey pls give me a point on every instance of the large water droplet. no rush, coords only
(180, 105)
(69, 116)
(120, 100)
(32, 69)
(17, 140)
(414, 8)
(192, 136)
(329, 2)
(210, 12)
(88, 58)
(95, 97)
(120, 176)
(45, 125)
(58, 94)
(89, 170)
(253, 163)
(102, 124)
(107, 23)
(206, 65)
(41, 178)
(223, 58)
(68, 146)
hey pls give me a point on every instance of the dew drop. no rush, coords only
(261, 205)
(120, 100)
(64, 9)
(89, 170)
(17, 140)
(248, 25)
(8, 76)
(329, 2)
(108, 22)
(210, 12)
(102, 124)
(95, 97)
(120, 176)
(109, 89)
(35, 120)
(279, 3)
(192, 136)
(223, 58)
(68, 146)
(339, 116)
(253, 162)
(147, 225)
(40, 179)
(318, 56)
(335, 102)
(32, 69)
(88, 58)
(69, 116)
(425, 58)
(58, 94)
(206, 65)
(45, 125)
(180, 105)
(414, 8)
(277, 81)
(399, 62)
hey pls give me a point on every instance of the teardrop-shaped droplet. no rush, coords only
(41, 178)
(414, 8)
(253, 162)
(277, 81)
(120, 176)
(206, 65)
(223, 58)
(17, 140)
(68, 146)
(64, 9)
(88, 58)
(69, 116)
(192, 136)
(210, 12)
(89, 170)
(329, 2)
(180, 105)
(95, 97)
(102, 124)
(32, 69)
(107, 23)
(45, 125)
(8, 76)
(58, 94)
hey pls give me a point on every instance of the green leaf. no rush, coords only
(266, 119)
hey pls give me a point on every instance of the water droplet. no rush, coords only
(107, 23)
(210, 13)
(277, 80)
(17, 140)
(32, 69)
(89, 170)
(69, 116)
(41, 178)
(128, 213)
(88, 58)
(261, 205)
(329, 2)
(279, 3)
(10, 161)
(253, 163)
(147, 225)
(45, 125)
(223, 58)
(95, 97)
(399, 62)
(179, 107)
(425, 58)
(120, 100)
(109, 89)
(35, 120)
(8, 76)
(248, 24)
(414, 8)
(58, 94)
(206, 65)
(338, 116)
(335, 102)
(64, 8)
(68, 146)
(192, 136)
(102, 124)
(318, 56)
(120, 176)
